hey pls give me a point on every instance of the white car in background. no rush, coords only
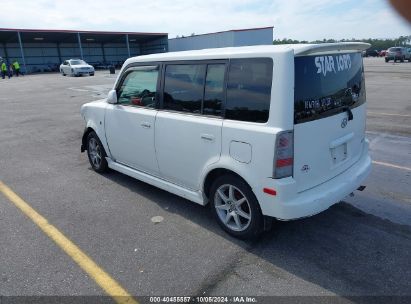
(76, 67)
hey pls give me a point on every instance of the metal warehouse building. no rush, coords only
(44, 50)
(244, 37)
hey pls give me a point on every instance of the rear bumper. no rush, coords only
(288, 204)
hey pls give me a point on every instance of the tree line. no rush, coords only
(376, 44)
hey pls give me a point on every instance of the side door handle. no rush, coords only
(207, 137)
(146, 125)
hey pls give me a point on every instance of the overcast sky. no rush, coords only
(295, 19)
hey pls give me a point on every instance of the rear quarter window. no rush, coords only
(249, 89)
(327, 85)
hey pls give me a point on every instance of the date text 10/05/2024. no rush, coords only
(203, 299)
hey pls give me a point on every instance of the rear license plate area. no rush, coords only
(339, 153)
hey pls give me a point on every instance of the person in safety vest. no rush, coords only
(3, 68)
(16, 67)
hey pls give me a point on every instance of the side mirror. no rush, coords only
(112, 97)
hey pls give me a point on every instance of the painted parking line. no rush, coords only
(391, 165)
(102, 278)
(388, 114)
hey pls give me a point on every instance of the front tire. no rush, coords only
(96, 153)
(236, 208)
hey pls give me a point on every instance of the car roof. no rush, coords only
(244, 51)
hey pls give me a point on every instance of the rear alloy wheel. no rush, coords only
(96, 153)
(236, 208)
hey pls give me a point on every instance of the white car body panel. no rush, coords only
(186, 145)
(194, 196)
(185, 159)
(93, 113)
(330, 154)
(130, 136)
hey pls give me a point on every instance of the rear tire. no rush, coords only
(236, 208)
(96, 153)
(386, 60)
(402, 59)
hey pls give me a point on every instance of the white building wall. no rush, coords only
(253, 37)
(262, 36)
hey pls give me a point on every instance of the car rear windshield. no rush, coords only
(327, 85)
(394, 49)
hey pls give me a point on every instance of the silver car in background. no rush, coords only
(398, 53)
(76, 67)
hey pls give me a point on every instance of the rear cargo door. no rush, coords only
(329, 116)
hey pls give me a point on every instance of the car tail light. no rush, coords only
(284, 155)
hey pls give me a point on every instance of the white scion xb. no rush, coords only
(258, 132)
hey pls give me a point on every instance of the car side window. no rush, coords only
(139, 87)
(183, 87)
(249, 89)
(214, 89)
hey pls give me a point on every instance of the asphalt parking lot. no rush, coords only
(359, 247)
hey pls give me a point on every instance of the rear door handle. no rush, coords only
(146, 125)
(342, 140)
(207, 137)
(349, 112)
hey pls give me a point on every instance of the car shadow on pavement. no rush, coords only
(343, 250)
